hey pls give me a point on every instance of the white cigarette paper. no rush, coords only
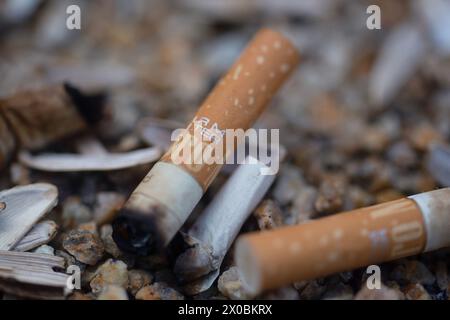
(215, 230)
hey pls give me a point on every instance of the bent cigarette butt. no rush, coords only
(43, 116)
(20, 208)
(345, 241)
(33, 119)
(166, 196)
(215, 230)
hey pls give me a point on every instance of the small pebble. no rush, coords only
(402, 155)
(231, 286)
(80, 296)
(158, 291)
(285, 293)
(384, 293)
(416, 291)
(112, 272)
(357, 197)
(85, 246)
(45, 249)
(330, 198)
(413, 271)
(138, 279)
(269, 215)
(339, 291)
(110, 245)
(113, 292)
(423, 136)
(374, 139)
(89, 226)
(313, 290)
(74, 212)
(69, 259)
(441, 273)
(303, 206)
(288, 184)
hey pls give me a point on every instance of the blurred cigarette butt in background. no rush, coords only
(35, 118)
(166, 196)
(346, 241)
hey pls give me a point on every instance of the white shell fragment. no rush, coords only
(59, 162)
(20, 208)
(41, 233)
(397, 62)
(32, 275)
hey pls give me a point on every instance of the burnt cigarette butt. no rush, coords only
(346, 241)
(169, 192)
(37, 118)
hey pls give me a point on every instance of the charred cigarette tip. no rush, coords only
(135, 232)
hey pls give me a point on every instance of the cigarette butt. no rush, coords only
(162, 202)
(346, 241)
(33, 119)
(216, 228)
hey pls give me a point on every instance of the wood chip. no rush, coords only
(23, 207)
(32, 275)
(59, 162)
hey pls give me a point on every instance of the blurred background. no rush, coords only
(358, 118)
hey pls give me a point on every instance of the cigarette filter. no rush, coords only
(166, 196)
(345, 241)
(32, 119)
(214, 231)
